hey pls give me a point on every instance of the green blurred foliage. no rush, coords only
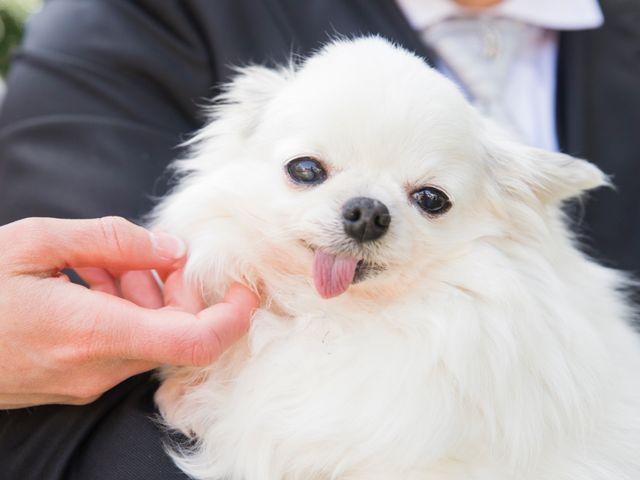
(13, 14)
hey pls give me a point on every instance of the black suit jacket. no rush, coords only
(103, 91)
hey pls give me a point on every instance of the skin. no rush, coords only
(63, 343)
(478, 4)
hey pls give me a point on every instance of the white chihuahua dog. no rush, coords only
(425, 314)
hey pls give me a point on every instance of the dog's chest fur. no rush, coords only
(411, 392)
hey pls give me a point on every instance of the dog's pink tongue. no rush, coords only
(332, 274)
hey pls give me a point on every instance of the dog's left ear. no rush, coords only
(556, 176)
(552, 177)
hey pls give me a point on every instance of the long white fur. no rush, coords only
(490, 348)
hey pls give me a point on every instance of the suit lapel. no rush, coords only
(572, 91)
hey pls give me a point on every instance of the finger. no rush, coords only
(163, 273)
(241, 298)
(10, 402)
(99, 280)
(178, 338)
(136, 367)
(141, 288)
(239, 304)
(178, 294)
(109, 242)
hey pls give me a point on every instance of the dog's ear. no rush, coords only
(237, 110)
(556, 176)
(244, 99)
(552, 177)
(233, 117)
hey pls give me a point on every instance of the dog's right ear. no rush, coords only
(233, 117)
(241, 104)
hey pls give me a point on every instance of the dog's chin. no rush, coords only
(366, 270)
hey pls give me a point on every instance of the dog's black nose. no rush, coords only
(365, 219)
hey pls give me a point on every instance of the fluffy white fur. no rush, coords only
(489, 348)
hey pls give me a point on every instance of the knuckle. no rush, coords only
(30, 225)
(195, 351)
(113, 231)
(22, 235)
(206, 350)
(70, 357)
(85, 348)
(200, 354)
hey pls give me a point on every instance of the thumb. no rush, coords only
(110, 242)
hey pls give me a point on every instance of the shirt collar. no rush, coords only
(550, 14)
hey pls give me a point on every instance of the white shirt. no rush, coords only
(530, 91)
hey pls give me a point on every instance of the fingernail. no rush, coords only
(168, 246)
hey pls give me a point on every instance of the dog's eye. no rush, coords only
(306, 170)
(431, 200)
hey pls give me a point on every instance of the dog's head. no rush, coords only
(360, 172)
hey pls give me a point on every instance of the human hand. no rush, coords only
(64, 343)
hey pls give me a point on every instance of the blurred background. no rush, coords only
(13, 14)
